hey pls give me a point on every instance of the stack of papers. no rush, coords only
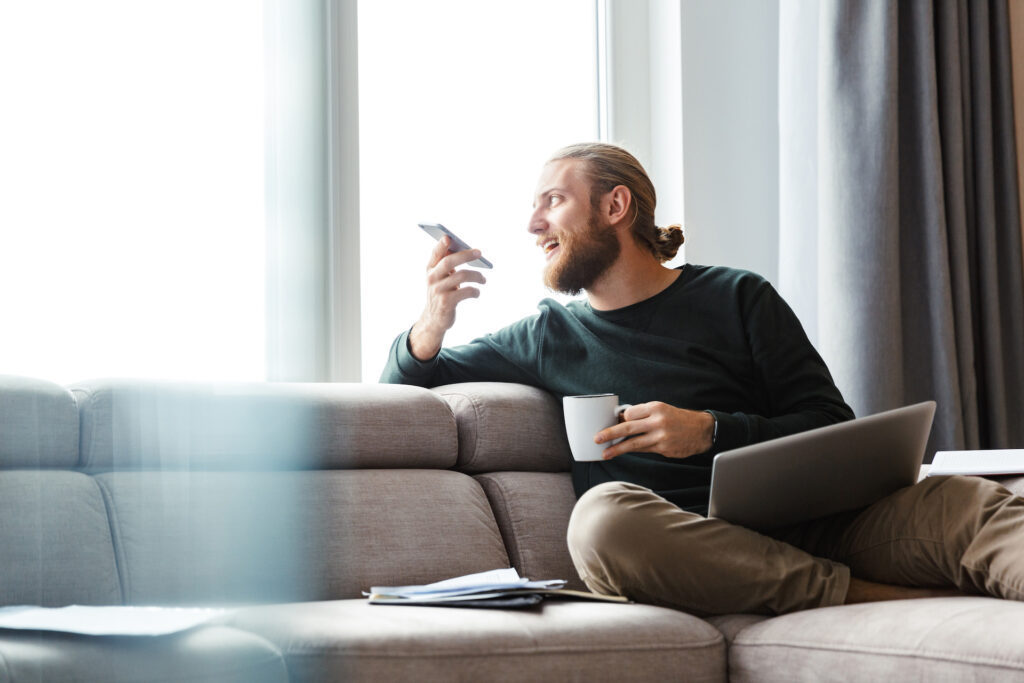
(984, 462)
(495, 588)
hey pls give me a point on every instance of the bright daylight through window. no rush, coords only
(136, 158)
(132, 216)
(461, 102)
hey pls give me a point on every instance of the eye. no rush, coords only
(554, 199)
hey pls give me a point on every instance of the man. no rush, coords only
(711, 359)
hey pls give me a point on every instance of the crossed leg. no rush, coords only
(946, 532)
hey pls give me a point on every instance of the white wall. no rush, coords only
(645, 111)
(730, 133)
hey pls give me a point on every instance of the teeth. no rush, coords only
(549, 246)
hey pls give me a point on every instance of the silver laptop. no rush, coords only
(822, 471)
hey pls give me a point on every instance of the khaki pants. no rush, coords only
(962, 532)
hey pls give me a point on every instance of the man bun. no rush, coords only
(668, 241)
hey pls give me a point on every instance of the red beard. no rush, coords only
(585, 256)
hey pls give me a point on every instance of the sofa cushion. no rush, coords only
(732, 625)
(212, 653)
(138, 425)
(532, 509)
(351, 640)
(55, 541)
(222, 537)
(508, 427)
(38, 424)
(938, 639)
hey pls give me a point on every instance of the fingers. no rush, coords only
(642, 443)
(637, 418)
(438, 252)
(443, 259)
(454, 280)
(635, 437)
(641, 410)
(464, 293)
(620, 431)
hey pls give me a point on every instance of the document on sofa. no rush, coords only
(495, 588)
(115, 620)
(983, 462)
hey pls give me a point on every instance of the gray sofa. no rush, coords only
(285, 501)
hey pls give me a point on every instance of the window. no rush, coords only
(460, 103)
(155, 157)
(132, 174)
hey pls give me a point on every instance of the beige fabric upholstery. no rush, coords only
(209, 654)
(286, 493)
(55, 545)
(38, 424)
(133, 425)
(732, 624)
(947, 639)
(219, 537)
(532, 509)
(354, 641)
(507, 427)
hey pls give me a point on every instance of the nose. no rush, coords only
(537, 223)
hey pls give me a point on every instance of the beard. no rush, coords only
(585, 256)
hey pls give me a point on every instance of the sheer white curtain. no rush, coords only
(147, 149)
(164, 182)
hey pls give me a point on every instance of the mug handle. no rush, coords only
(619, 410)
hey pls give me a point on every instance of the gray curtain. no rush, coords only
(900, 233)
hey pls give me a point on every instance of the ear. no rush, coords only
(617, 205)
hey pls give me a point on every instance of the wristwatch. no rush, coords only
(714, 430)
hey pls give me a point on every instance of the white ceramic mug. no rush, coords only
(585, 416)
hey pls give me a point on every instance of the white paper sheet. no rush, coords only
(1005, 461)
(107, 620)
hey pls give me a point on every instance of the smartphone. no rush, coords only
(437, 231)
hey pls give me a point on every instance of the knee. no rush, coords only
(597, 527)
(976, 494)
(598, 515)
(616, 523)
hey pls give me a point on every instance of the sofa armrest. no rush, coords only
(507, 427)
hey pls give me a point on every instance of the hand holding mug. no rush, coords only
(657, 427)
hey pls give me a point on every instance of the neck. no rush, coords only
(635, 276)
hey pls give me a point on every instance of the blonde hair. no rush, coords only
(608, 166)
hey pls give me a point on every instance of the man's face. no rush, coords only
(579, 246)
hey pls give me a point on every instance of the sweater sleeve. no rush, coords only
(800, 392)
(509, 355)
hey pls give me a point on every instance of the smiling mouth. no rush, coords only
(549, 247)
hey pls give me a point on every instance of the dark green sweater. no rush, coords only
(716, 339)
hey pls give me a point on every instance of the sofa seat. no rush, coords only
(934, 639)
(212, 653)
(352, 640)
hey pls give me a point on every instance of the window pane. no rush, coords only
(132, 174)
(460, 105)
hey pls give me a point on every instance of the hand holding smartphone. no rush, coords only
(437, 231)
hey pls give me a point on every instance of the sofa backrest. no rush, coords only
(56, 545)
(154, 493)
(512, 439)
(134, 425)
(38, 424)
